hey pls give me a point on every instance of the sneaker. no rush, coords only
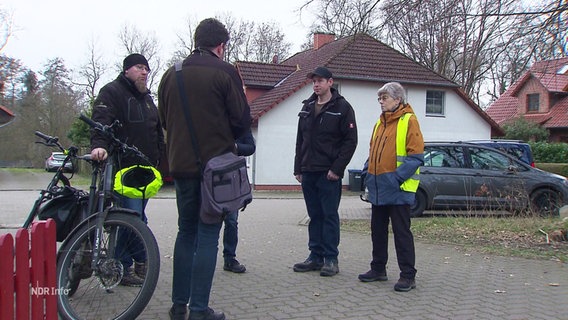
(373, 275)
(404, 285)
(233, 265)
(330, 268)
(309, 265)
(140, 269)
(130, 279)
(208, 314)
(178, 312)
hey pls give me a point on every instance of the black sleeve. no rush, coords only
(246, 144)
(105, 111)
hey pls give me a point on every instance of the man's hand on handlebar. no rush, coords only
(99, 154)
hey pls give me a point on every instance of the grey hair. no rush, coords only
(395, 90)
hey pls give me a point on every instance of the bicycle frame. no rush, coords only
(89, 258)
(100, 192)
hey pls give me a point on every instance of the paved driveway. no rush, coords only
(452, 283)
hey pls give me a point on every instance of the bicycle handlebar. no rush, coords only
(90, 122)
(50, 141)
(109, 133)
(45, 136)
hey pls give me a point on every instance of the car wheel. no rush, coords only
(417, 209)
(546, 202)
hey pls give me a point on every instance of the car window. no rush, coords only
(488, 160)
(515, 151)
(518, 150)
(440, 156)
(58, 156)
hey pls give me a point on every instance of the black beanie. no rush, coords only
(133, 60)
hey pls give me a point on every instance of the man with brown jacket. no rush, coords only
(220, 114)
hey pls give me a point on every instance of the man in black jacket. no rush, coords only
(325, 143)
(220, 114)
(128, 100)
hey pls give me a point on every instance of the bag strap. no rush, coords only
(185, 107)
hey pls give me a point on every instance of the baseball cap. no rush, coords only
(320, 72)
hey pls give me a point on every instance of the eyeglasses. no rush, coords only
(142, 67)
(384, 97)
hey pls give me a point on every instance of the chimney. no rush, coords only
(322, 38)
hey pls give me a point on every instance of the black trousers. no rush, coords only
(399, 215)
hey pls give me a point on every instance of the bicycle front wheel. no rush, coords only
(104, 292)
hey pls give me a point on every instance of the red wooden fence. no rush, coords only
(27, 273)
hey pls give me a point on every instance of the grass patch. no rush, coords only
(505, 236)
(79, 179)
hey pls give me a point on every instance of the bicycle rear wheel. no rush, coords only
(85, 293)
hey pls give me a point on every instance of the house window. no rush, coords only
(435, 102)
(533, 102)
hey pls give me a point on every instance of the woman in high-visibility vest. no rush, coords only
(396, 153)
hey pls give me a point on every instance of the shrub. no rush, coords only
(545, 152)
(522, 129)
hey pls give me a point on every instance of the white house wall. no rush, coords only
(273, 162)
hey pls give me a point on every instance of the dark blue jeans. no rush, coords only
(322, 198)
(128, 245)
(399, 215)
(230, 236)
(195, 251)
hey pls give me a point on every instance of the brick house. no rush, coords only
(360, 65)
(540, 95)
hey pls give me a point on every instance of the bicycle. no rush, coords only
(89, 268)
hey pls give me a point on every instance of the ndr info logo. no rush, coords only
(47, 291)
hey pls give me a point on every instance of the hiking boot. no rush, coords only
(140, 269)
(330, 268)
(178, 312)
(310, 264)
(233, 265)
(130, 279)
(373, 275)
(404, 285)
(208, 314)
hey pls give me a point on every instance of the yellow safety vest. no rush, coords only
(411, 184)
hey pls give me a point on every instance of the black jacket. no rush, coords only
(326, 141)
(218, 108)
(136, 111)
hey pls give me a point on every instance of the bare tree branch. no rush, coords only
(92, 71)
(147, 44)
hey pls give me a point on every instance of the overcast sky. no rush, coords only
(64, 28)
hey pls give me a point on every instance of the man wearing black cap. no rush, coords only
(325, 142)
(128, 100)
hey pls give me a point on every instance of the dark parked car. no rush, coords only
(517, 148)
(461, 175)
(55, 160)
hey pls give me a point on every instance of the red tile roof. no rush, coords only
(263, 74)
(357, 57)
(547, 73)
(6, 110)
